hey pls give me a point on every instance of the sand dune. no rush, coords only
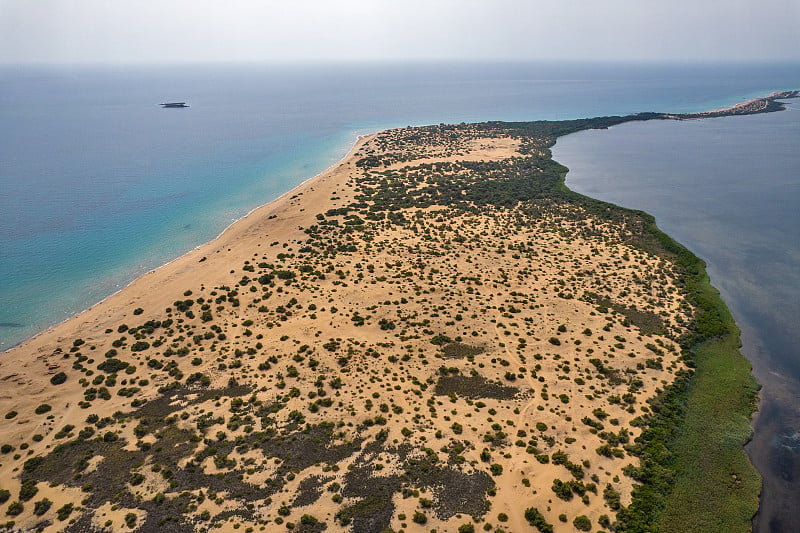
(395, 343)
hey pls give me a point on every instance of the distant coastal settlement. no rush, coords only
(434, 334)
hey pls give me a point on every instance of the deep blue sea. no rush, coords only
(98, 184)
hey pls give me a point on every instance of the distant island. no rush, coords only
(174, 104)
(435, 334)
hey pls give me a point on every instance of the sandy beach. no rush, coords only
(363, 352)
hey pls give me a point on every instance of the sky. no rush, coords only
(213, 31)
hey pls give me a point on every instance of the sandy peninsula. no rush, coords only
(429, 336)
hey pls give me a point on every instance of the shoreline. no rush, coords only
(360, 140)
(769, 347)
(343, 301)
(756, 105)
(431, 240)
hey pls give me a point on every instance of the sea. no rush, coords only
(728, 189)
(99, 184)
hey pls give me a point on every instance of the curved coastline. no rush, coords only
(757, 105)
(705, 417)
(360, 140)
(699, 477)
(671, 426)
(729, 198)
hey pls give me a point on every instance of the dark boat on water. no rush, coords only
(174, 104)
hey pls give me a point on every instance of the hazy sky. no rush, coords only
(145, 31)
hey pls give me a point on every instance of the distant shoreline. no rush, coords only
(766, 104)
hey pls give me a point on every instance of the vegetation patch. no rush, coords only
(309, 490)
(457, 350)
(648, 322)
(466, 229)
(455, 492)
(474, 387)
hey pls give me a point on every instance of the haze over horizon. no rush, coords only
(203, 31)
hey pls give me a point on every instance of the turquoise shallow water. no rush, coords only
(729, 189)
(99, 184)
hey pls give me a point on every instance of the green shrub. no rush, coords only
(32, 464)
(28, 490)
(562, 490)
(15, 509)
(308, 520)
(536, 519)
(64, 512)
(112, 365)
(42, 506)
(140, 346)
(582, 523)
(42, 409)
(612, 498)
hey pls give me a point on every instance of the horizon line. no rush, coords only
(405, 61)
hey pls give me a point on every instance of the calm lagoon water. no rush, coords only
(98, 184)
(728, 189)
